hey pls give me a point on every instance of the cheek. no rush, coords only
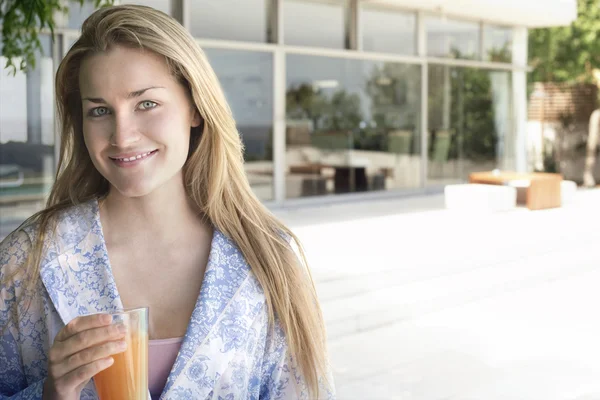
(93, 138)
(169, 129)
(88, 139)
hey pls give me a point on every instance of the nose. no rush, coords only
(125, 132)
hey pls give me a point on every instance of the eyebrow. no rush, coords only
(131, 95)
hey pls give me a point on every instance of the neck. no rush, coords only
(166, 213)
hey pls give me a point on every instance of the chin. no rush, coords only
(133, 190)
(141, 185)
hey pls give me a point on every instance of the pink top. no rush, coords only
(161, 357)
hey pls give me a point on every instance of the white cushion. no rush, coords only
(477, 197)
(567, 191)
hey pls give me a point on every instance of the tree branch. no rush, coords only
(22, 22)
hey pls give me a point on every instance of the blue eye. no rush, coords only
(146, 105)
(98, 111)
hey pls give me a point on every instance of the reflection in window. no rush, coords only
(244, 20)
(352, 126)
(247, 80)
(69, 42)
(470, 122)
(452, 38)
(497, 44)
(315, 23)
(388, 31)
(26, 140)
(79, 13)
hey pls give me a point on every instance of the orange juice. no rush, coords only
(127, 377)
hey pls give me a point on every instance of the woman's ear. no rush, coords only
(196, 118)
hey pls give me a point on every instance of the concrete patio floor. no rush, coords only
(422, 303)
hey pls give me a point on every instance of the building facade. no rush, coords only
(334, 99)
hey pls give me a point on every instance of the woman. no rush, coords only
(151, 207)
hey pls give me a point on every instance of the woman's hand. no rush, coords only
(81, 349)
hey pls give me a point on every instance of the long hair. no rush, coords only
(214, 174)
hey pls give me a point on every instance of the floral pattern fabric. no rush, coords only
(229, 352)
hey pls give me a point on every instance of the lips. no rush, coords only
(134, 157)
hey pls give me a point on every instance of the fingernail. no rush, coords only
(122, 345)
(122, 328)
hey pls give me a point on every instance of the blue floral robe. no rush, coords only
(228, 351)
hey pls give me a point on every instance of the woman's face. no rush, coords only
(136, 119)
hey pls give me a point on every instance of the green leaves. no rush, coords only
(22, 22)
(568, 54)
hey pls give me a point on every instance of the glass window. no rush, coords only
(470, 123)
(26, 139)
(244, 20)
(497, 43)
(161, 5)
(315, 23)
(247, 79)
(388, 31)
(452, 38)
(78, 13)
(69, 42)
(352, 126)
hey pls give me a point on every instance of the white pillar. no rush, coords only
(519, 84)
(34, 104)
(181, 10)
(353, 24)
(279, 89)
(422, 52)
(279, 161)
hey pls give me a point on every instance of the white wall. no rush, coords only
(528, 13)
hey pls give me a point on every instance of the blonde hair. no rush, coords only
(214, 174)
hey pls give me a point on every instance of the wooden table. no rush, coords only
(347, 178)
(537, 190)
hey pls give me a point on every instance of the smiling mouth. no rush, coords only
(133, 158)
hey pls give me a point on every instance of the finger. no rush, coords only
(82, 374)
(83, 323)
(83, 340)
(88, 356)
(91, 338)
